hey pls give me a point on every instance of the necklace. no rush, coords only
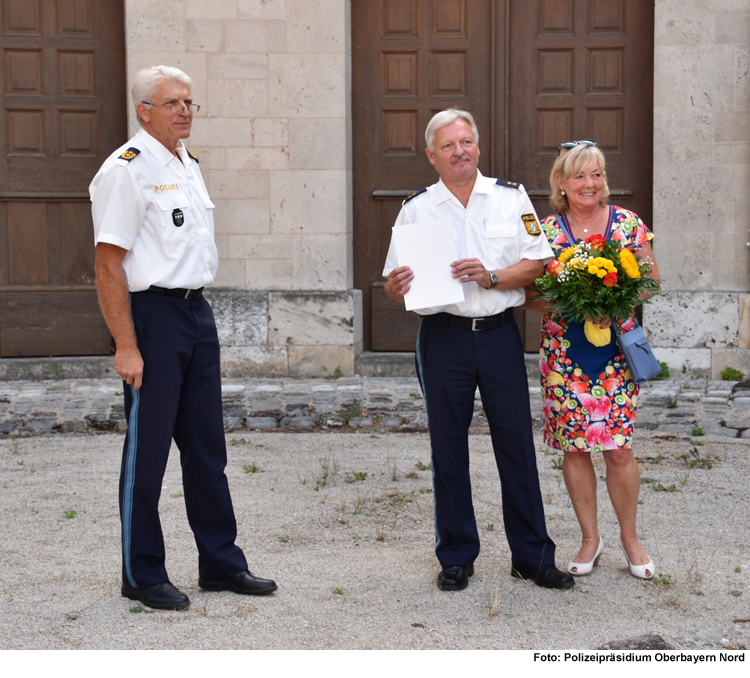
(586, 230)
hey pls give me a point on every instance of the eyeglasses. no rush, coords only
(567, 145)
(176, 108)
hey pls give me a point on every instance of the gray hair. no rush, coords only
(568, 164)
(445, 118)
(148, 80)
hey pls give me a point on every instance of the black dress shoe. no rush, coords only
(547, 576)
(161, 597)
(243, 582)
(455, 578)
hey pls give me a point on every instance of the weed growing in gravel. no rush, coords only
(658, 487)
(177, 495)
(671, 403)
(683, 479)
(137, 609)
(663, 580)
(557, 463)
(284, 539)
(252, 468)
(421, 467)
(329, 470)
(738, 569)
(359, 502)
(496, 591)
(357, 477)
(693, 459)
(736, 594)
(697, 432)
(70, 514)
(338, 591)
(393, 468)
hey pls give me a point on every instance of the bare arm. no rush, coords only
(519, 275)
(647, 252)
(112, 288)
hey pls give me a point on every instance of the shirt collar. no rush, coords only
(443, 193)
(160, 151)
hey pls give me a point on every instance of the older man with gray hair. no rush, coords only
(476, 343)
(155, 252)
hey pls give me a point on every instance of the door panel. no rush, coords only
(411, 59)
(581, 69)
(63, 112)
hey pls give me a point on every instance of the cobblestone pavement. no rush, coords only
(349, 404)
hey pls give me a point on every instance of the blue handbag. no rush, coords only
(638, 354)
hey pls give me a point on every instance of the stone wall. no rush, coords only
(702, 186)
(274, 140)
(273, 137)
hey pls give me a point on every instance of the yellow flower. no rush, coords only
(565, 254)
(629, 264)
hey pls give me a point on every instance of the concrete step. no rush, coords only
(368, 364)
(385, 364)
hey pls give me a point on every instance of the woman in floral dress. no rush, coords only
(589, 395)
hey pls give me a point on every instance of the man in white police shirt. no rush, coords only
(477, 343)
(155, 252)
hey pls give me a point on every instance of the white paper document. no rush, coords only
(428, 249)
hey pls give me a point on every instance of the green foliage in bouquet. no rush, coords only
(596, 279)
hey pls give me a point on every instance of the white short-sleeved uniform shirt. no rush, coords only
(498, 226)
(156, 207)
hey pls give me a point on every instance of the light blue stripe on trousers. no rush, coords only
(127, 493)
(427, 412)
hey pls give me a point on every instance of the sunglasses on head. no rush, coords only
(567, 145)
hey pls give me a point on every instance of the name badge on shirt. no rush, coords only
(178, 218)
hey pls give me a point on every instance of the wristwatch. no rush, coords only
(493, 280)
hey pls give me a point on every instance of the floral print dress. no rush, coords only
(589, 395)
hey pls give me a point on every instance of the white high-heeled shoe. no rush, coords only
(639, 571)
(582, 569)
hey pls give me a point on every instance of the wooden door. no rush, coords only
(534, 73)
(63, 112)
(411, 59)
(581, 69)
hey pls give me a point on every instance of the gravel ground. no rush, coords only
(353, 553)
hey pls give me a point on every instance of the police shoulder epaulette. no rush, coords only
(414, 195)
(193, 156)
(509, 184)
(130, 153)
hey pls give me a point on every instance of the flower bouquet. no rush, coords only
(596, 279)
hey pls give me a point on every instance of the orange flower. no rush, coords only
(596, 241)
(555, 267)
(610, 280)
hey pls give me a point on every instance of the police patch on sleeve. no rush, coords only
(130, 154)
(531, 224)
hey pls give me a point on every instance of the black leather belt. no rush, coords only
(191, 295)
(473, 324)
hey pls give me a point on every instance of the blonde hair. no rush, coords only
(568, 164)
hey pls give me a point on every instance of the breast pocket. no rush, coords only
(177, 224)
(500, 244)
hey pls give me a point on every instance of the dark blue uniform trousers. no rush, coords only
(451, 363)
(181, 399)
